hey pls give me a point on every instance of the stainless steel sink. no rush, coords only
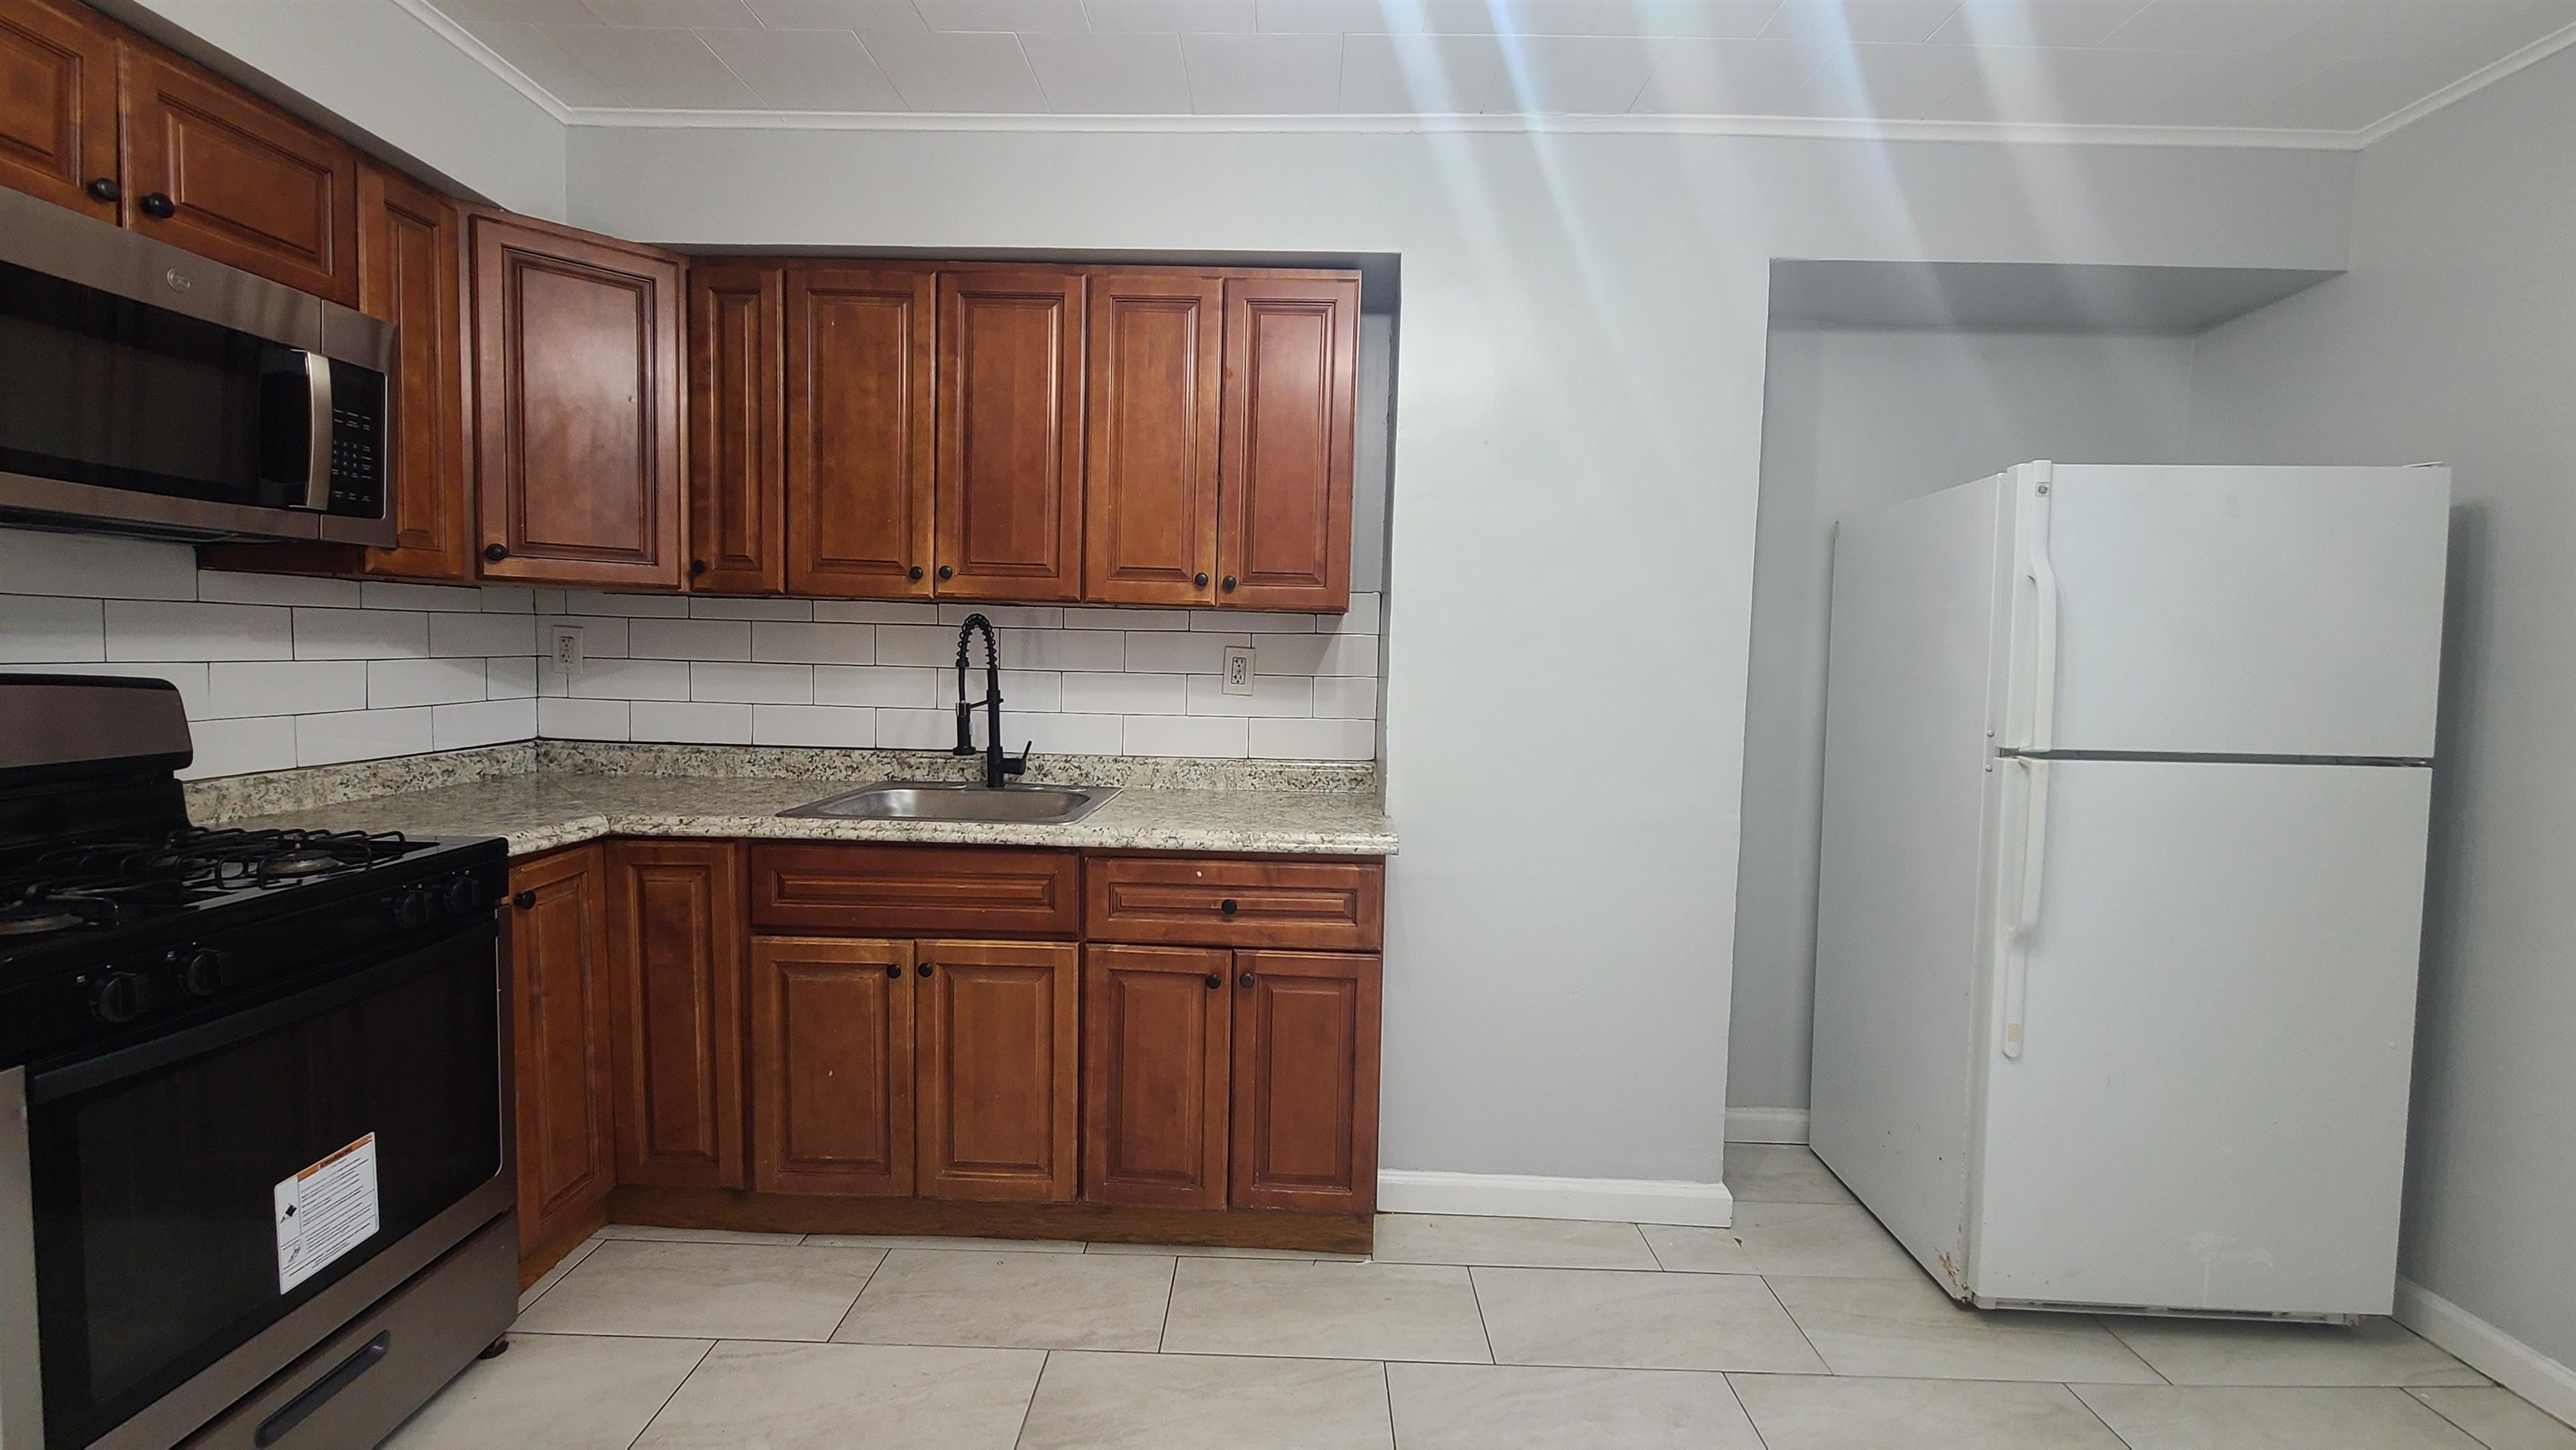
(953, 800)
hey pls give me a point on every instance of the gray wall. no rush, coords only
(2454, 338)
(1853, 420)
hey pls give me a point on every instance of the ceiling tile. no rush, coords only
(1263, 75)
(658, 69)
(675, 14)
(1173, 17)
(1321, 17)
(2064, 86)
(1110, 75)
(1723, 77)
(1865, 21)
(864, 15)
(470, 13)
(1431, 75)
(1431, 17)
(1031, 15)
(537, 52)
(1569, 75)
(2036, 22)
(2348, 95)
(806, 70)
(958, 74)
(2398, 29)
(2236, 27)
(1691, 19)
(1883, 82)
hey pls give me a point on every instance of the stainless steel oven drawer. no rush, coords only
(357, 1386)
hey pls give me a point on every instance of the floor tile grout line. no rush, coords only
(1171, 1290)
(2482, 1441)
(1744, 1409)
(1386, 1382)
(2114, 1431)
(1031, 1407)
(2103, 1322)
(1476, 1296)
(1792, 1316)
(694, 1366)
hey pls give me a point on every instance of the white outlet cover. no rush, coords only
(563, 650)
(1238, 669)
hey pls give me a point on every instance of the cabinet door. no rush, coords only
(58, 104)
(831, 1066)
(1010, 435)
(675, 934)
(559, 988)
(577, 407)
(859, 440)
(1284, 506)
(1305, 1081)
(411, 274)
(736, 517)
(998, 1025)
(1150, 488)
(1157, 1049)
(210, 169)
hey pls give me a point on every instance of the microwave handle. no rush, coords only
(317, 424)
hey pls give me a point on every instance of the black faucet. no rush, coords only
(998, 768)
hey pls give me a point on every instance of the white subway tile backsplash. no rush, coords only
(394, 684)
(916, 729)
(285, 687)
(509, 599)
(692, 723)
(603, 636)
(1271, 695)
(689, 639)
(550, 601)
(752, 684)
(633, 606)
(1184, 654)
(1087, 693)
(775, 609)
(360, 634)
(482, 634)
(361, 735)
(220, 588)
(1036, 691)
(1230, 621)
(632, 680)
(1344, 697)
(1004, 616)
(1063, 649)
(141, 630)
(1097, 618)
(482, 722)
(1065, 734)
(99, 566)
(1362, 619)
(568, 719)
(1187, 735)
(813, 725)
(1317, 654)
(813, 644)
(36, 628)
(919, 644)
(901, 687)
(189, 678)
(875, 611)
(238, 747)
(1314, 739)
(512, 679)
(389, 594)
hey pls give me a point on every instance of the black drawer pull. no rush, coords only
(1226, 906)
(923, 969)
(282, 1424)
(1215, 981)
(525, 901)
(1244, 981)
(894, 970)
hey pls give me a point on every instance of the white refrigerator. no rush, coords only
(2126, 778)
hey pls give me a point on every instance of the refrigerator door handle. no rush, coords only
(2034, 860)
(2043, 632)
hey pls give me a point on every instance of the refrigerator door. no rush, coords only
(2262, 611)
(2208, 1109)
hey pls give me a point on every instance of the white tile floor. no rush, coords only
(1803, 1328)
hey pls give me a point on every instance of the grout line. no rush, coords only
(1386, 1382)
(1792, 1316)
(1476, 1297)
(1743, 1409)
(2103, 1322)
(1031, 1407)
(873, 1270)
(1171, 1290)
(2097, 1415)
(673, 1395)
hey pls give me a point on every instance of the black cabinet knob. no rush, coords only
(1215, 981)
(697, 567)
(495, 552)
(1244, 981)
(1229, 584)
(1227, 906)
(894, 970)
(1200, 580)
(923, 969)
(914, 573)
(120, 997)
(158, 206)
(946, 572)
(106, 189)
(525, 900)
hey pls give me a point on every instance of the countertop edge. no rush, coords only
(577, 830)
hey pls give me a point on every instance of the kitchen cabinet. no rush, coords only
(909, 890)
(58, 105)
(567, 1159)
(210, 168)
(1150, 476)
(675, 945)
(998, 1065)
(737, 513)
(1284, 511)
(1231, 901)
(577, 406)
(1009, 465)
(1305, 1081)
(860, 359)
(831, 1070)
(1157, 1045)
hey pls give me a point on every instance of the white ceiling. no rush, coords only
(2325, 69)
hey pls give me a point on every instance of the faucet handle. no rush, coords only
(1019, 764)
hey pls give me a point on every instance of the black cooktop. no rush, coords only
(101, 883)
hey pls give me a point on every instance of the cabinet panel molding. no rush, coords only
(1158, 1052)
(676, 938)
(915, 889)
(1305, 1081)
(1284, 506)
(567, 1159)
(1223, 901)
(1010, 435)
(737, 516)
(999, 1026)
(832, 1066)
(58, 104)
(860, 359)
(1150, 485)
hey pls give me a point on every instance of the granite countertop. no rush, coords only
(543, 810)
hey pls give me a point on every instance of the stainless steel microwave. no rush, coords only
(144, 389)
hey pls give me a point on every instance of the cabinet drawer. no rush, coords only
(1326, 905)
(909, 890)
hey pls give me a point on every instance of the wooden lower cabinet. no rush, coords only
(1305, 1081)
(998, 1052)
(676, 938)
(1157, 1052)
(831, 1072)
(567, 1159)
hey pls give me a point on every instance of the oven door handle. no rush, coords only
(282, 1424)
(121, 1063)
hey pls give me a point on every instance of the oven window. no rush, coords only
(156, 1245)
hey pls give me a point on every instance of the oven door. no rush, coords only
(199, 1196)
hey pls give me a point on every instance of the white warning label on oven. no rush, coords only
(325, 1211)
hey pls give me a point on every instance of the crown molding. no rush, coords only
(2477, 80)
(491, 60)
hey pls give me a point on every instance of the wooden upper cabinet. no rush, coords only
(1157, 1051)
(1284, 506)
(411, 273)
(1305, 1081)
(577, 404)
(997, 1046)
(1150, 487)
(559, 988)
(737, 517)
(675, 936)
(860, 359)
(831, 1066)
(1010, 435)
(211, 169)
(58, 105)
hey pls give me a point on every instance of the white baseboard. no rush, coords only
(1511, 1195)
(1766, 1125)
(2488, 1350)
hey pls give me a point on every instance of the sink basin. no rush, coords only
(950, 800)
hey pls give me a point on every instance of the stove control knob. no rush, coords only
(464, 894)
(205, 971)
(415, 908)
(120, 997)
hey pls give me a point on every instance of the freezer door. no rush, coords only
(2209, 1107)
(2268, 611)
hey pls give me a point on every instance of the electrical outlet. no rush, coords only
(1238, 669)
(563, 647)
